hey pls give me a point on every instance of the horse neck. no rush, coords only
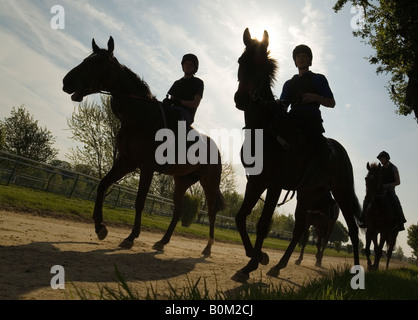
(132, 102)
(124, 84)
(376, 193)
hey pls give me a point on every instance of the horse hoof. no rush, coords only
(273, 273)
(318, 264)
(264, 259)
(240, 277)
(206, 252)
(126, 244)
(297, 262)
(158, 246)
(102, 233)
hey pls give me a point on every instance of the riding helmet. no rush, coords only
(191, 57)
(383, 154)
(302, 48)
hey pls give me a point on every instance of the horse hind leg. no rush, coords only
(210, 182)
(212, 210)
(350, 208)
(182, 183)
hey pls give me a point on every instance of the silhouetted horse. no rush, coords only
(380, 217)
(286, 165)
(142, 117)
(322, 216)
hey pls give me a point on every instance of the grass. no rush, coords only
(393, 284)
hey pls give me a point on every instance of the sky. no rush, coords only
(38, 49)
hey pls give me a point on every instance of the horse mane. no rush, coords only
(374, 165)
(140, 84)
(257, 49)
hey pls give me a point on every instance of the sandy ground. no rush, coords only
(30, 245)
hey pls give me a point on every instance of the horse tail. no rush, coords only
(348, 178)
(220, 201)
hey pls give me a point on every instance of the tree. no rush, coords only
(162, 185)
(398, 253)
(233, 201)
(23, 136)
(96, 127)
(391, 29)
(284, 222)
(413, 239)
(339, 233)
(190, 209)
(2, 135)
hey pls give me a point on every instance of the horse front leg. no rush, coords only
(297, 233)
(118, 171)
(378, 251)
(252, 195)
(263, 226)
(304, 243)
(391, 244)
(144, 184)
(370, 236)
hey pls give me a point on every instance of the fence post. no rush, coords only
(117, 197)
(13, 172)
(49, 181)
(73, 188)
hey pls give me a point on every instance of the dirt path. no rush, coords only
(30, 245)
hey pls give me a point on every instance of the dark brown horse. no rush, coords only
(142, 119)
(380, 217)
(286, 165)
(322, 217)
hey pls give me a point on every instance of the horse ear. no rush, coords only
(110, 45)
(247, 37)
(368, 166)
(265, 40)
(95, 47)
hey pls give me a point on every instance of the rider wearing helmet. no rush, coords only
(305, 93)
(187, 92)
(391, 179)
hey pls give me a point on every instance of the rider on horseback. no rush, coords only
(305, 93)
(391, 179)
(187, 92)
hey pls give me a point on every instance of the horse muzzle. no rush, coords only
(241, 101)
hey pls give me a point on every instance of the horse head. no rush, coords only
(256, 71)
(91, 75)
(374, 179)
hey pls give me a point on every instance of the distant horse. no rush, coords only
(322, 216)
(141, 117)
(286, 165)
(380, 217)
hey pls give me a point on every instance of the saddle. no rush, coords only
(185, 136)
(321, 151)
